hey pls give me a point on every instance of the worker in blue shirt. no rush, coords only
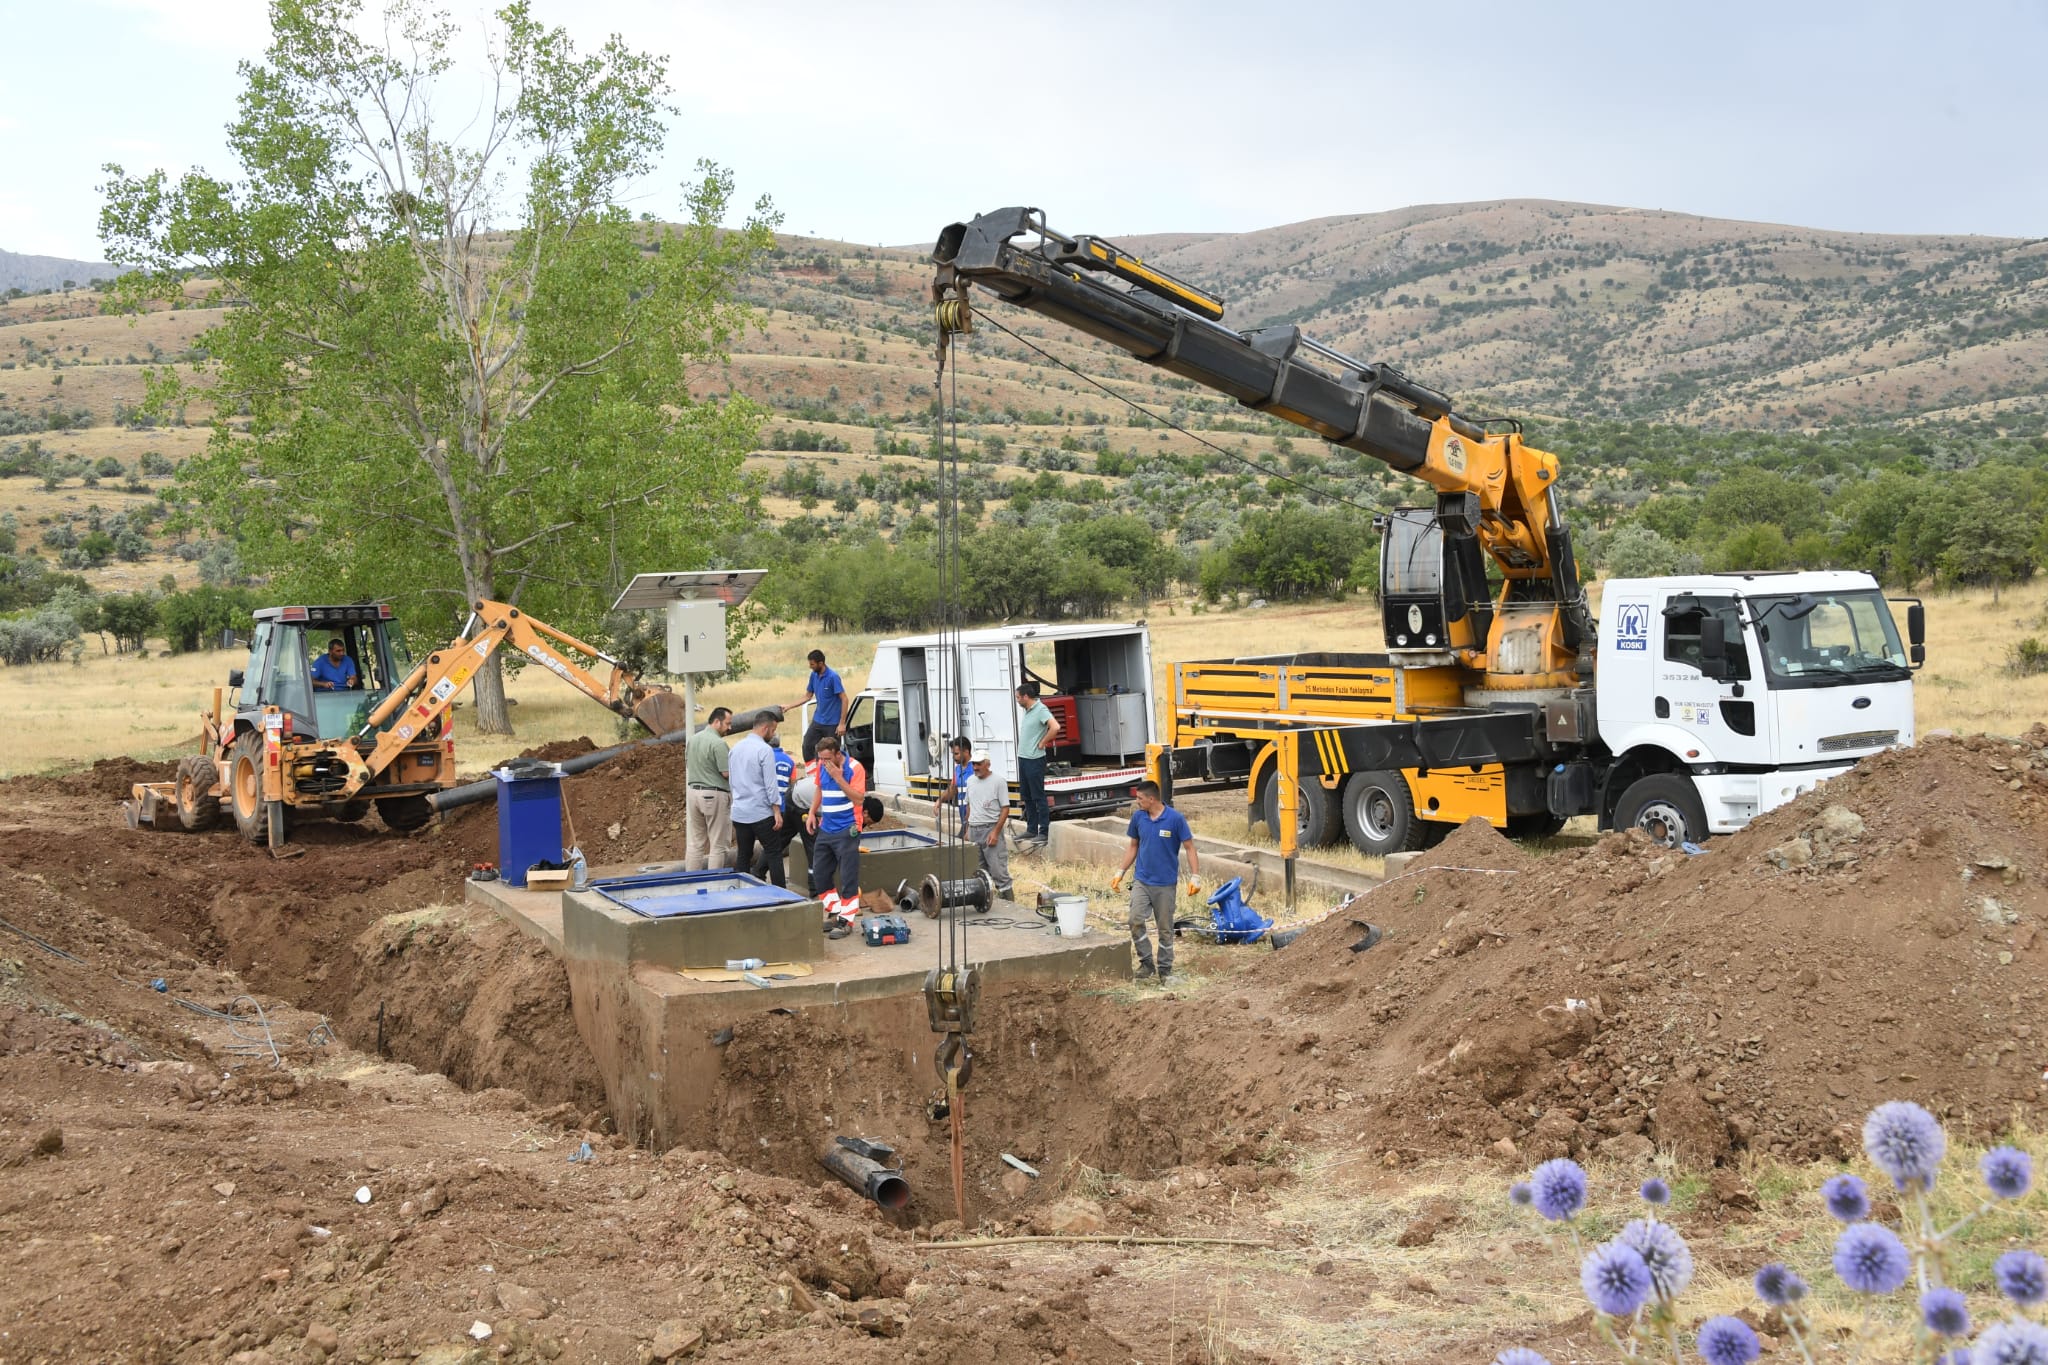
(1158, 834)
(828, 693)
(955, 790)
(335, 671)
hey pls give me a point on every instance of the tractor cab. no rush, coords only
(335, 700)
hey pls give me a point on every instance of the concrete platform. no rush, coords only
(655, 1032)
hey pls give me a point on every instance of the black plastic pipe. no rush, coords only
(478, 791)
(883, 1185)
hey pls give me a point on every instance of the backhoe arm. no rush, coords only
(1489, 484)
(429, 691)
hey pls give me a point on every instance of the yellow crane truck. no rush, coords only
(1690, 706)
(281, 743)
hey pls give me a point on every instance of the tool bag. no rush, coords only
(879, 930)
(1235, 921)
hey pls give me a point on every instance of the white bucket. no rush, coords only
(1072, 914)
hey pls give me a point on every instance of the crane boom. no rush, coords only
(1495, 493)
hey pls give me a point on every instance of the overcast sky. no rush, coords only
(880, 122)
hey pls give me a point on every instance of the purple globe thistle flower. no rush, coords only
(1959, 1356)
(1906, 1143)
(1519, 1355)
(1655, 1191)
(1945, 1312)
(1871, 1259)
(1778, 1285)
(2008, 1172)
(1559, 1188)
(1664, 1252)
(2022, 1276)
(1521, 1194)
(1728, 1341)
(1847, 1200)
(1615, 1279)
(2012, 1342)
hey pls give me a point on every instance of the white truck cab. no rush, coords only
(1722, 696)
(1096, 678)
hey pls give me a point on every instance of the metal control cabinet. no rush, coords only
(1112, 725)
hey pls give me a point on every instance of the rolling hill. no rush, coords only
(31, 273)
(1528, 308)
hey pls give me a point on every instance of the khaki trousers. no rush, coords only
(708, 841)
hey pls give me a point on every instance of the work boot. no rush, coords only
(1145, 972)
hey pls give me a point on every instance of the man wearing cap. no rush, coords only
(988, 811)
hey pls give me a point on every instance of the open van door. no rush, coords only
(874, 735)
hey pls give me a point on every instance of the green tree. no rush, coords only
(1637, 551)
(465, 363)
(128, 617)
(1762, 546)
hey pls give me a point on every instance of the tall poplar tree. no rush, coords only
(453, 364)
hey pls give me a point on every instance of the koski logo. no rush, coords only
(1632, 626)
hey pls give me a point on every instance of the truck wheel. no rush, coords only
(1379, 814)
(1315, 813)
(1665, 807)
(245, 788)
(198, 807)
(404, 813)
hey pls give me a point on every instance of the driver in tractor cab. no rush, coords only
(334, 670)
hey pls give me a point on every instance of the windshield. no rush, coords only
(1412, 555)
(1826, 638)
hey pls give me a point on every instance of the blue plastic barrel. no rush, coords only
(529, 823)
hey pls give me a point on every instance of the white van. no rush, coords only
(1096, 678)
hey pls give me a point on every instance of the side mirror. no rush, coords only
(1714, 648)
(234, 677)
(1916, 630)
(1917, 652)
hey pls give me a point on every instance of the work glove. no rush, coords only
(1194, 886)
(1116, 883)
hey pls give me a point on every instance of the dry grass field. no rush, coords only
(65, 715)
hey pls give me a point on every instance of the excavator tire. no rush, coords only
(245, 788)
(1379, 814)
(404, 813)
(198, 807)
(1315, 813)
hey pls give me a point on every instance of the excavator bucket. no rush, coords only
(661, 712)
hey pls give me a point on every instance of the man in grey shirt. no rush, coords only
(757, 798)
(708, 804)
(988, 811)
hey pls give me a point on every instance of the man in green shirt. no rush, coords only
(1038, 729)
(707, 767)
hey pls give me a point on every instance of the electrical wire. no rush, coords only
(1172, 425)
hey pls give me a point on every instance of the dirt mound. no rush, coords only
(108, 777)
(459, 991)
(1876, 938)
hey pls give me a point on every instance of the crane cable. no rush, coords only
(951, 987)
(1171, 425)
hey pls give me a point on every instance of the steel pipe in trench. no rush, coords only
(884, 1185)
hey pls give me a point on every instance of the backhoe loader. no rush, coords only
(284, 741)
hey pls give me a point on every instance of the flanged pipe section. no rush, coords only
(859, 1162)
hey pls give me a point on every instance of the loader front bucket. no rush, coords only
(661, 712)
